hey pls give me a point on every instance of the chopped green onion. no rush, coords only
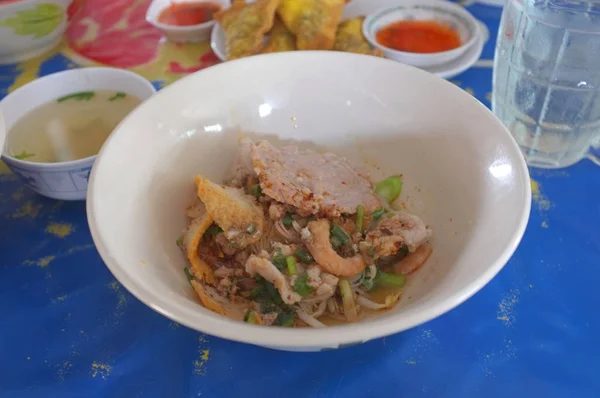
(23, 155)
(82, 96)
(256, 191)
(213, 230)
(335, 242)
(347, 294)
(188, 274)
(304, 256)
(360, 217)
(291, 264)
(301, 285)
(339, 233)
(377, 213)
(390, 188)
(390, 280)
(179, 241)
(368, 283)
(251, 229)
(403, 250)
(117, 96)
(279, 259)
(251, 317)
(287, 221)
(286, 318)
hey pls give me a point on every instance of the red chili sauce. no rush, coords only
(418, 37)
(186, 14)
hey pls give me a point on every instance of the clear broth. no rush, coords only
(69, 128)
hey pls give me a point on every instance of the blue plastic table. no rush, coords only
(69, 329)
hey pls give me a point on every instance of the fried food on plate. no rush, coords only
(349, 38)
(314, 22)
(280, 39)
(245, 26)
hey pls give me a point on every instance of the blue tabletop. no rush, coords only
(69, 329)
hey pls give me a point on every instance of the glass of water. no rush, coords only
(547, 79)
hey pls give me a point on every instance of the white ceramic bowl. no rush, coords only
(442, 11)
(29, 28)
(464, 175)
(64, 180)
(2, 131)
(182, 34)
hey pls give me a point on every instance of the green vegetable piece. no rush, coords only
(82, 96)
(403, 250)
(301, 285)
(304, 256)
(256, 191)
(377, 214)
(179, 241)
(287, 221)
(291, 264)
(390, 188)
(23, 155)
(213, 230)
(285, 318)
(251, 229)
(37, 22)
(335, 242)
(117, 96)
(279, 259)
(188, 274)
(390, 280)
(339, 233)
(251, 317)
(368, 283)
(360, 218)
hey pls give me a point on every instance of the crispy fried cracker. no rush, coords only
(349, 38)
(280, 39)
(314, 22)
(245, 26)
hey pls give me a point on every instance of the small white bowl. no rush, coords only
(473, 191)
(64, 180)
(29, 28)
(182, 34)
(441, 11)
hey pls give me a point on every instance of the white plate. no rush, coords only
(446, 70)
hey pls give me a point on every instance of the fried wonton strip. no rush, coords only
(245, 26)
(212, 300)
(280, 39)
(314, 22)
(191, 241)
(241, 219)
(349, 38)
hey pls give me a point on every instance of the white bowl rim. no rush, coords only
(444, 4)
(150, 18)
(58, 75)
(226, 328)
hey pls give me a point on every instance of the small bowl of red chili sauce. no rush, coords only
(185, 21)
(422, 33)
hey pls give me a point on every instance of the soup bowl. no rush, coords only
(30, 27)
(63, 180)
(464, 175)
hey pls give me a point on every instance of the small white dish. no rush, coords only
(473, 192)
(63, 180)
(182, 34)
(217, 42)
(444, 12)
(29, 28)
(457, 66)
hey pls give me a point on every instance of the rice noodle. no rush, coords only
(318, 298)
(389, 301)
(310, 320)
(290, 236)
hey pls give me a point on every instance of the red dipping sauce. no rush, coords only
(418, 37)
(187, 14)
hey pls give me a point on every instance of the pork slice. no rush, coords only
(323, 184)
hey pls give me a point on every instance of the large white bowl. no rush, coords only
(464, 175)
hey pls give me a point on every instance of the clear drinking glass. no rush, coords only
(547, 79)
